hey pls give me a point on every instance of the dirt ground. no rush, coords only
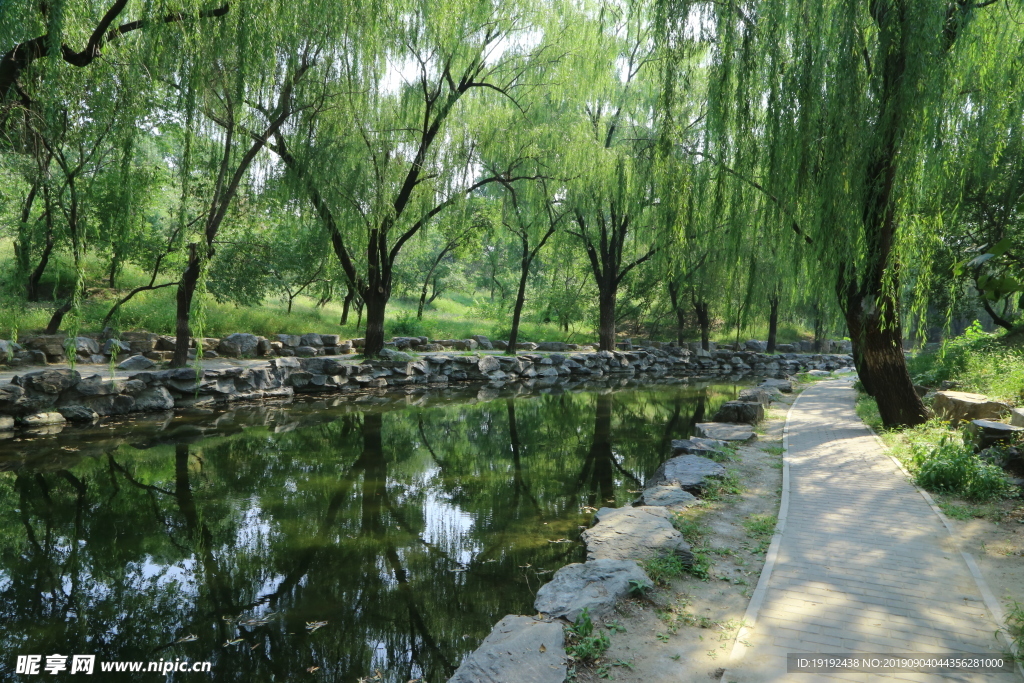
(685, 630)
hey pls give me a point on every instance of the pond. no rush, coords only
(335, 538)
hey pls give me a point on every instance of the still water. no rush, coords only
(316, 541)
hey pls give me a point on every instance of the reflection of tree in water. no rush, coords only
(410, 532)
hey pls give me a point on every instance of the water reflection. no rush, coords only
(229, 537)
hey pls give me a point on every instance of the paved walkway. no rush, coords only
(863, 563)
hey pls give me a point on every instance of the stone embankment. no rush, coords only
(621, 539)
(302, 366)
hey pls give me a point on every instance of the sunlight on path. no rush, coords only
(864, 565)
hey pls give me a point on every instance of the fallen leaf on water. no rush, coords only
(524, 566)
(542, 648)
(232, 642)
(187, 639)
(314, 625)
(312, 669)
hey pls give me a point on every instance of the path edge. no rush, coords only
(757, 597)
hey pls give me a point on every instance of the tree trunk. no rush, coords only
(996, 318)
(376, 304)
(345, 305)
(773, 323)
(819, 333)
(704, 320)
(58, 317)
(878, 353)
(677, 308)
(517, 310)
(186, 290)
(115, 268)
(606, 322)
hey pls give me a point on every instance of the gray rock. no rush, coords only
(137, 363)
(311, 339)
(77, 413)
(783, 385)
(466, 344)
(739, 412)
(594, 586)
(156, 398)
(668, 495)
(87, 346)
(40, 419)
(552, 346)
(113, 347)
(634, 533)
(393, 355)
(956, 406)
(724, 432)
(330, 339)
(526, 346)
(97, 386)
(50, 344)
(696, 446)
(290, 340)
(50, 381)
(987, 433)
(264, 347)
(6, 423)
(757, 346)
(1017, 417)
(755, 395)
(6, 350)
(239, 345)
(818, 373)
(488, 364)
(10, 396)
(690, 472)
(483, 341)
(517, 650)
(785, 348)
(306, 351)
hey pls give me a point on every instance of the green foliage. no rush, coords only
(952, 467)
(760, 525)
(584, 644)
(1014, 628)
(639, 588)
(986, 363)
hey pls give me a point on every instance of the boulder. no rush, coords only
(77, 413)
(739, 412)
(785, 348)
(483, 341)
(634, 533)
(11, 395)
(696, 446)
(330, 339)
(265, 347)
(818, 373)
(466, 344)
(488, 364)
(311, 339)
(987, 433)
(50, 344)
(689, 472)
(306, 351)
(520, 649)
(114, 347)
(239, 345)
(594, 586)
(755, 395)
(552, 346)
(724, 432)
(140, 342)
(6, 350)
(40, 419)
(783, 385)
(50, 381)
(156, 398)
(289, 340)
(1017, 417)
(97, 386)
(756, 346)
(526, 346)
(957, 406)
(669, 495)
(393, 355)
(6, 423)
(87, 346)
(136, 363)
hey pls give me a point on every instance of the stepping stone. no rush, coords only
(635, 533)
(689, 472)
(988, 433)
(517, 649)
(724, 432)
(740, 412)
(696, 446)
(594, 586)
(783, 385)
(668, 495)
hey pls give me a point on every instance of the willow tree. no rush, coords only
(398, 146)
(612, 151)
(828, 106)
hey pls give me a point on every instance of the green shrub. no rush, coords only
(584, 644)
(952, 467)
(986, 363)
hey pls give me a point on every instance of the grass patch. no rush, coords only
(980, 362)
(952, 467)
(760, 525)
(773, 450)
(1014, 628)
(730, 484)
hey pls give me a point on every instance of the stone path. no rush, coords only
(863, 563)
